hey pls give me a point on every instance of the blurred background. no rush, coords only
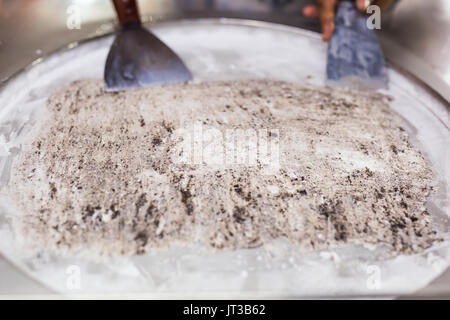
(415, 36)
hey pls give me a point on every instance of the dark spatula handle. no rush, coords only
(127, 12)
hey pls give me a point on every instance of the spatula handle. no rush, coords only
(127, 12)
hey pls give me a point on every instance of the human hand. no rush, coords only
(326, 9)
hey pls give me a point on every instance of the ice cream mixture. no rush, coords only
(232, 164)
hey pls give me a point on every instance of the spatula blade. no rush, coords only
(137, 58)
(354, 57)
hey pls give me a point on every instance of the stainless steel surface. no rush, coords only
(423, 29)
(16, 283)
(415, 38)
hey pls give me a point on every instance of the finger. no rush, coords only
(311, 11)
(326, 16)
(362, 5)
(383, 4)
(327, 31)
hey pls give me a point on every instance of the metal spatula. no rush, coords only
(354, 56)
(137, 58)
